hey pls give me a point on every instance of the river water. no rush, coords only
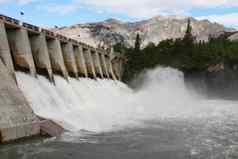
(161, 119)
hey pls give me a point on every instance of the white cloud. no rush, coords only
(133, 8)
(226, 19)
(148, 8)
(140, 8)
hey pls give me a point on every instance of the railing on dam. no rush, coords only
(36, 50)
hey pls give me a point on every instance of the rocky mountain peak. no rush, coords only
(154, 30)
(172, 17)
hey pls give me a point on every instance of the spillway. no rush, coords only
(76, 104)
(104, 105)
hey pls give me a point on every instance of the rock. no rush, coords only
(152, 30)
(234, 37)
(216, 68)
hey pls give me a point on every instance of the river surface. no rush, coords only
(161, 119)
(167, 139)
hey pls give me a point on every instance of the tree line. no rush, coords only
(185, 54)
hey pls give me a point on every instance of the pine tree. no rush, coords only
(137, 43)
(188, 37)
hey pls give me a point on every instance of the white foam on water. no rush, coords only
(105, 105)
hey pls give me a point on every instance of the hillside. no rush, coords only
(154, 30)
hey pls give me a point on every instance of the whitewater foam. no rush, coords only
(106, 105)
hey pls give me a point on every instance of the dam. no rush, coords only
(163, 117)
(38, 51)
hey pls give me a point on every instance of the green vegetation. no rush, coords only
(185, 54)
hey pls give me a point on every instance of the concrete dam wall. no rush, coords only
(28, 48)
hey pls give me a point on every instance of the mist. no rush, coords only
(105, 105)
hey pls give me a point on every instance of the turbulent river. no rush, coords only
(104, 119)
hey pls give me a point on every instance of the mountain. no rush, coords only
(154, 30)
(234, 37)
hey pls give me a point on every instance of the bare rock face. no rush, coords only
(234, 37)
(216, 68)
(153, 30)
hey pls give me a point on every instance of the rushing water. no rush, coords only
(162, 119)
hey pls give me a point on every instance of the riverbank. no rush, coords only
(218, 81)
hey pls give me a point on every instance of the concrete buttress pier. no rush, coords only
(104, 66)
(101, 64)
(41, 55)
(21, 50)
(56, 57)
(89, 62)
(29, 48)
(97, 65)
(80, 61)
(5, 53)
(116, 66)
(17, 119)
(109, 67)
(69, 59)
(111, 71)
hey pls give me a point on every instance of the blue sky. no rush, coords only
(69, 12)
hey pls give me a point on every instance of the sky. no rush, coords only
(50, 13)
